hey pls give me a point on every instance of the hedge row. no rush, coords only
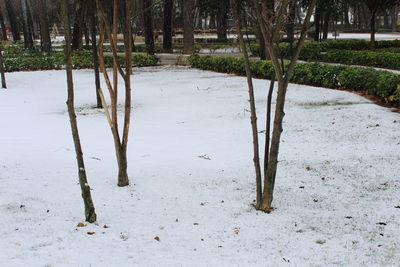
(380, 83)
(342, 44)
(313, 51)
(80, 60)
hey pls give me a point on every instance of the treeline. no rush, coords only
(159, 20)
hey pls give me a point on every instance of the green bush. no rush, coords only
(376, 82)
(80, 60)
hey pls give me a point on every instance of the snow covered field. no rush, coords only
(190, 164)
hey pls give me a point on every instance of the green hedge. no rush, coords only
(80, 60)
(314, 51)
(380, 83)
(324, 46)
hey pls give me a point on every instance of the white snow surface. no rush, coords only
(367, 36)
(192, 177)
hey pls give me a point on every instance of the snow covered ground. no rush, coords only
(367, 36)
(190, 163)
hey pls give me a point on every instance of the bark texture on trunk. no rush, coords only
(253, 118)
(28, 40)
(222, 20)
(167, 32)
(13, 20)
(90, 213)
(3, 28)
(188, 27)
(44, 25)
(2, 71)
(373, 30)
(105, 27)
(148, 26)
(93, 23)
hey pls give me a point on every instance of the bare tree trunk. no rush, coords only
(13, 20)
(327, 18)
(271, 27)
(167, 32)
(28, 41)
(2, 71)
(44, 25)
(346, 16)
(317, 21)
(291, 19)
(188, 27)
(112, 118)
(373, 30)
(3, 28)
(93, 23)
(77, 34)
(222, 22)
(90, 213)
(253, 118)
(148, 25)
(395, 12)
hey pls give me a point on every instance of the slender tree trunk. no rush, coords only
(317, 21)
(93, 23)
(28, 41)
(77, 34)
(253, 118)
(291, 20)
(372, 25)
(271, 30)
(167, 32)
(13, 20)
(222, 22)
(394, 14)
(212, 21)
(3, 28)
(148, 26)
(112, 117)
(2, 70)
(188, 28)
(327, 19)
(90, 213)
(44, 25)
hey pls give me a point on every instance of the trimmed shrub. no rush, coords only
(80, 60)
(376, 82)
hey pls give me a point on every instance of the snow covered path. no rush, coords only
(191, 164)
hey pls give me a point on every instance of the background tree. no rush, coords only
(167, 29)
(148, 25)
(374, 7)
(188, 27)
(90, 213)
(41, 11)
(2, 71)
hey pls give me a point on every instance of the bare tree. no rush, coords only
(41, 11)
(167, 30)
(271, 25)
(2, 71)
(120, 143)
(90, 213)
(148, 25)
(188, 27)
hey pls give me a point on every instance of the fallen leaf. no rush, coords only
(81, 224)
(91, 233)
(157, 238)
(195, 223)
(348, 217)
(381, 223)
(106, 226)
